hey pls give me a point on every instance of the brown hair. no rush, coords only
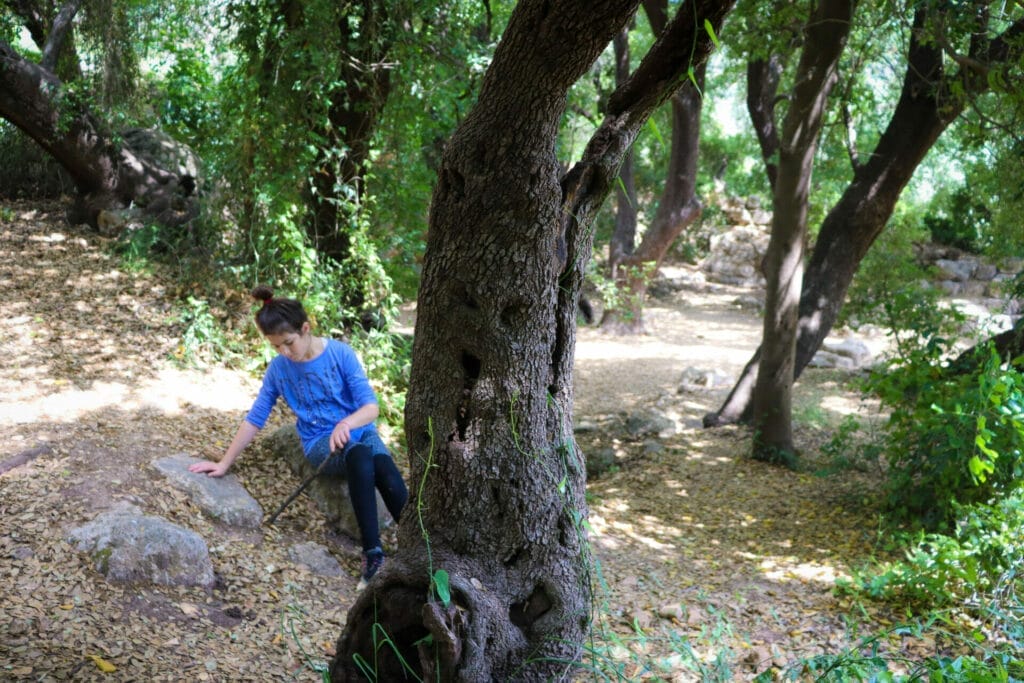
(278, 315)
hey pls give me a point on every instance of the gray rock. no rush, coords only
(650, 423)
(128, 547)
(222, 498)
(974, 289)
(652, 447)
(827, 359)
(854, 349)
(329, 493)
(316, 557)
(599, 461)
(702, 378)
(960, 270)
(985, 271)
(951, 287)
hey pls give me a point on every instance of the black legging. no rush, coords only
(366, 473)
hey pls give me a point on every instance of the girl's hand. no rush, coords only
(340, 436)
(213, 469)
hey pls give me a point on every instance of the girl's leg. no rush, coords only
(386, 475)
(390, 484)
(359, 472)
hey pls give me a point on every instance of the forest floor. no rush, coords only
(710, 566)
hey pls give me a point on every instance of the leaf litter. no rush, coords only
(702, 555)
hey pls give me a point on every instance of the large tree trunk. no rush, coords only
(826, 33)
(678, 207)
(106, 175)
(497, 479)
(925, 108)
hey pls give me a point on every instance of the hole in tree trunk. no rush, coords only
(524, 614)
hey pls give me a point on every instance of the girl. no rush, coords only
(324, 384)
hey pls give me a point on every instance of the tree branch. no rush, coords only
(61, 26)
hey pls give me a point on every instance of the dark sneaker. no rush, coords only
(373, 560)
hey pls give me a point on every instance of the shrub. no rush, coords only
(951, 439)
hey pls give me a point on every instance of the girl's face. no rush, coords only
(296, 346)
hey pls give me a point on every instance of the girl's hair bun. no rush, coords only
(263, 293)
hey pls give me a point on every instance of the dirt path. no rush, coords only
(694, 543)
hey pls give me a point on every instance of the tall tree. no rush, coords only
(931, 98)
(825, 36)
(491, 579)
(678, 206)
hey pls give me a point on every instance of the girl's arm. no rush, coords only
(243, 437)
(343, 430)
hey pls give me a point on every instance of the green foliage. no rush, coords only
(849, 449)
(202, 338)
(951, 439)
(868, 660)
(960, 221)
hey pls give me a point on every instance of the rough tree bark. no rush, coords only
(497, 479)
(107, 175)
(926, 107)
(825, 37)
(678, 207)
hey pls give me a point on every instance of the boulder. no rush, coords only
(600, 460)
(697, 379)
(854, 349)
(126, 546)
(222, 498)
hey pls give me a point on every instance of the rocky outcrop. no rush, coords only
(735, 253)
(960, 274)
(316, 558)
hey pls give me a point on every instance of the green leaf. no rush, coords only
(711, 33)
(652, 125)
(442, 587)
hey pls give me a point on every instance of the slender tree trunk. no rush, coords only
(678, 207)
(925, 109)
(624, 235)
(826, 33)
(763, 77)
(497, 479)
(354, 113)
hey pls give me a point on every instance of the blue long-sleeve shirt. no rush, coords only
(321, 392)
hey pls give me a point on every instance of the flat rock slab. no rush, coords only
(126, 546)
(222, 498)
(316, 558)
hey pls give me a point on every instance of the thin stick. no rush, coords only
(302, 486)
